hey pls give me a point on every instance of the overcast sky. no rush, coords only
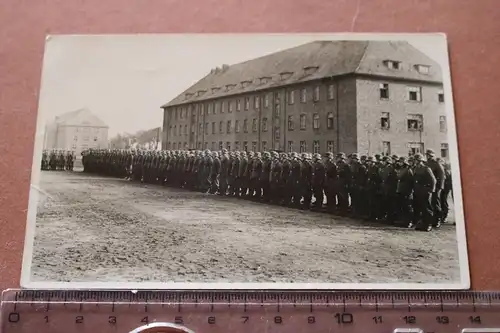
(125, 79)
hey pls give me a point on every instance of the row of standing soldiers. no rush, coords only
(58, 160)
(409, 191)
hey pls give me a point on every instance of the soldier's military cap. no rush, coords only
(418, 157)
(394, 157)
(329, 154)
(317, 156)
(340, 155)
(377, 157)
(294, 154)
(363, 157)
(430, 152)
(355, 156)
(370, 159)
(403, 159)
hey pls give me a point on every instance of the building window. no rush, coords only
(185, 129)
(247, 103)
(316, 149)
(222, 107)
(291, 97)
(200, 130)
(331, 91)
(237, 126)
(316, 94)
(329, 120)
(220, 145)
(175, 145)
(414, 94)
(277, 134)
(236, 145)
(209, 108)
(316, 121)
(254, 146)
(257, 102)
(290, 123)
(329, 146)
(441, 97)
(422, 69)
(214, 145)
(217, 108)
(391, 64)
(206, 128)
(386, 148)
(290, 146)
(277, 145)
(228, 127)
(264, 146)
(254, 125)
(213, 127)
(75, 138)
(228, 145)
(444, 150)
(416, 147)
(302, 121)
(230, 107)
(266, 100)
(175, 113)
(198, 145)
(303, 147)
(221, 127)
(384, 91)
(245, 146)
(264, 124)
(385, 121)
(238, 105)
(415, 122)
(245, 126)
(303, 95)
(202, 109)
(442, 123)
(95, 138)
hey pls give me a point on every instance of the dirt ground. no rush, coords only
(110, 230)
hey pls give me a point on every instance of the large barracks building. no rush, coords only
(326, 96)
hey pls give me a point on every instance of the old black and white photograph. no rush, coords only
(246, 161)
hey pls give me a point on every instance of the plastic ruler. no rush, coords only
(249, 311)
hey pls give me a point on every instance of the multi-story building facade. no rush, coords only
(76, 131)
(339, 96)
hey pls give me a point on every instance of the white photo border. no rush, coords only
(464, 282)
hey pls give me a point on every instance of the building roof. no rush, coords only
(80, 117)
(312, 61)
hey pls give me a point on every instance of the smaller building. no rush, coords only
(76, 131)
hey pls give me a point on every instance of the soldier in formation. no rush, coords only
(58, 160)
(398, 190)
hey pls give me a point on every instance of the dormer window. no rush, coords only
(200, 92)
(265, 79)
(285, 75)
(245, 83)
(308, 70)
(188, 95)
(215, 89)
(392, 64)
(422, 69)
(230, 86)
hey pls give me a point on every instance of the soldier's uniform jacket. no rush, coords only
(359, 175)
(448, 184)
(438, 171)
(249, 168)
(214, 163)
(256, 168)
(424, 179)
(389, 179)
(306, 172)
(196, 165)
(275, 171)
(243, 167)
(295, 170)
(374, 179)
(343, 174)
(331, 171)
(405, 180)
(235, 167)
(265, 175)
(319, 173)
(225, 166)
(286, 168)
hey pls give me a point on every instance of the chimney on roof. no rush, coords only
(225, 67)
